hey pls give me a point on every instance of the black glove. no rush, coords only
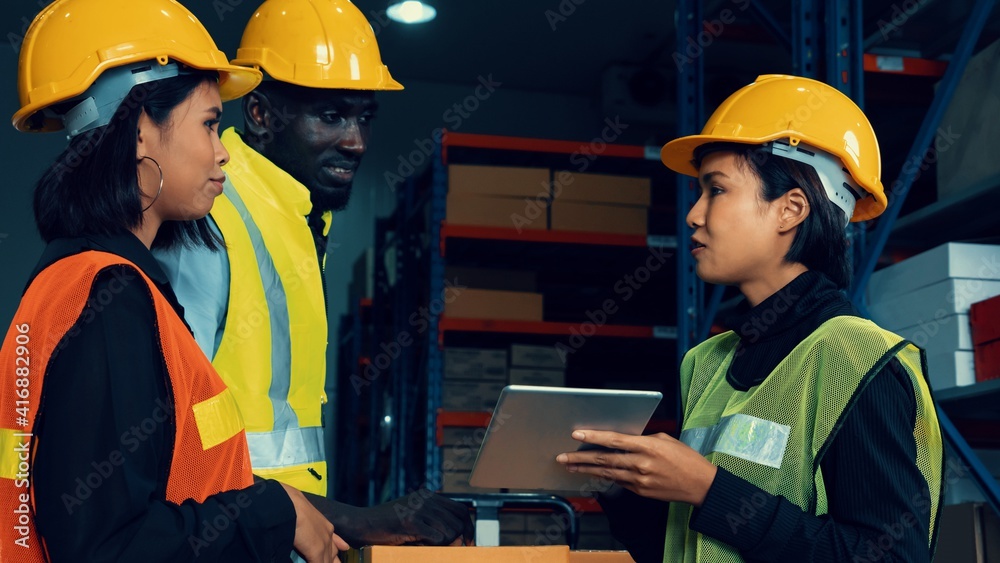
(419, 518)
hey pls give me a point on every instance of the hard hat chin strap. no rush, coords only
(97, 106)
(837, 182)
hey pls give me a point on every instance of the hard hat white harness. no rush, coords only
(840, 187)
(97, 106)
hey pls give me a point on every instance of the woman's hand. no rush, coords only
(314, 537)
(657, 466)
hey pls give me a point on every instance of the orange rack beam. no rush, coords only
(910, 66)
(540, 327)
(465, 419)
(537, 235)
(451, 139)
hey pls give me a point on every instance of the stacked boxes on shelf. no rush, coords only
(536, 365)
(985, 319)
(926, 299)
(536, 198)
(488, 293)
(473, 378)
(600, 203)
(539, 528)
(497, 196)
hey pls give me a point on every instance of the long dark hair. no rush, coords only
(820, 243)
(92, 187)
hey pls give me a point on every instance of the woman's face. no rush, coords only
(190, 154)
(736, 238)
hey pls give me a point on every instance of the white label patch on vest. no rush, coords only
(743, 436)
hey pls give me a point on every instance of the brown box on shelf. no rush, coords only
(474, 395)
(600, 557)
(495, 211)
(963, 145)
(454, 554)
(492, 278)
(497, 305)
(543, 377)
(475, 363)
(498, 180)
(599, 218)
(530, 356)
(962, 533)
(458, 458)
(600, 188)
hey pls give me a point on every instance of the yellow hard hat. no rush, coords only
(793, 110)
(72, 42)
(316, 44)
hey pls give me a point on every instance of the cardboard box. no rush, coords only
(497, 305)
(496, 211)
(542, 377)
(948, 297)
(598, 218)
(968, 533)
(458, 458)
(950, 260)
(600, 188)
(458, 436)
(498, 180)
(492, 278)
(984, 317)
(475, 363)
(463, 554)
(543, 357)
(600, 557)
(945, 334)
(470, 396)
(968, 127)
(987, 360)
(951, 369)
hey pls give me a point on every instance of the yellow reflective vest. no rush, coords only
(272, 353)
(774, 434)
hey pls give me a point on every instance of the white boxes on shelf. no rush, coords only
(926, 300)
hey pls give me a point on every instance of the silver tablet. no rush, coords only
(531, 425)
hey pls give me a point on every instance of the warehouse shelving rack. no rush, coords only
(839, 35)
(420, 241)
(846, 62)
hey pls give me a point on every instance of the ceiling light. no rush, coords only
(411, 11)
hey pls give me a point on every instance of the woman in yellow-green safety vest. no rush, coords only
(808, 433)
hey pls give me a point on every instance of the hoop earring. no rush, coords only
(158, 190)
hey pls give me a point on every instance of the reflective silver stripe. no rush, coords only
(282, 448)
(277, 308)
(743, 436)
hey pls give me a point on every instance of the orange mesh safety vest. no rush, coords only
(210, 448)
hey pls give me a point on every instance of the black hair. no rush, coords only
(92, 188)
(820, 242)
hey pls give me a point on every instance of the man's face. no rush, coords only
(319, 138)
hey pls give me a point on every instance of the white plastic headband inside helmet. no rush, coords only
(840, 187)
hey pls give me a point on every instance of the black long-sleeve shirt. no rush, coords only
(879, 504)
(104, 440)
